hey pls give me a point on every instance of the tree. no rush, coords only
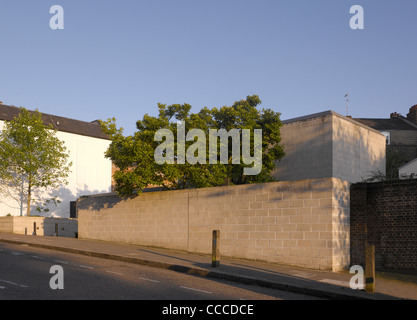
(32, 158)
(394, 160)
(187, 162)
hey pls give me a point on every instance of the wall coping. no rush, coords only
(325, 114)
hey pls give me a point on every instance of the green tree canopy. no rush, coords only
(31, 158)
(135, 155)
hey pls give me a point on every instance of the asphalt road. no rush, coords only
(28, 273)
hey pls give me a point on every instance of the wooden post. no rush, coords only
(34, 229)
(370, 269)
(215, 260)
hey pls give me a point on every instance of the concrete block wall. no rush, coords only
(44, 226)
(328, 144)
(308, 148)
(300, 223)
(341, 224)
(6, 224)
(152, 219)
(358, 151)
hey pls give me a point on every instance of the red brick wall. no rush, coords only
(385, 215)
(412, 115)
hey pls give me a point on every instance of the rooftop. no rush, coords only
(328, 113)
(408, 163)
(89, 129)
(394, 123)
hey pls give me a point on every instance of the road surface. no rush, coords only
(40, 274)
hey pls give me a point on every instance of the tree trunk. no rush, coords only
(29, 199)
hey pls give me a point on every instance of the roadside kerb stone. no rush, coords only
(311, 291)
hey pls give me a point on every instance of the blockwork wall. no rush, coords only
(301, 223)
(44, 226)
(385, 215)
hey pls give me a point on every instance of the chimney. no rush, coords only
(412, 115)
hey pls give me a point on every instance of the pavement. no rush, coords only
(317, 283)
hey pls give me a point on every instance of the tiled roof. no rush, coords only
(8, 113)
(395, 123)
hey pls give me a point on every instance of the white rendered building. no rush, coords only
(408, 171)
(90, 171)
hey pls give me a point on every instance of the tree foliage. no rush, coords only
(134, 155)
(32, 158)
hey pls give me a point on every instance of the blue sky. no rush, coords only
(120, 58)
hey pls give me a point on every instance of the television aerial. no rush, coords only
(347, 103)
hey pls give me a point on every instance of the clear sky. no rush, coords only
(120, 58)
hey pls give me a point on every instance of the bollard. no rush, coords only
(34, 229)
(370, 269)
(56, 230)
(26, 231)
(215, 260)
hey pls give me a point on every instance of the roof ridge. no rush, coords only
(408, 121)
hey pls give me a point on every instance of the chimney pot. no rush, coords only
(412, 115)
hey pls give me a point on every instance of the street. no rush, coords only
(26, 273)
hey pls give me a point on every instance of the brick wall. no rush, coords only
(412, 115)
(302, 223)
(385, 215)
